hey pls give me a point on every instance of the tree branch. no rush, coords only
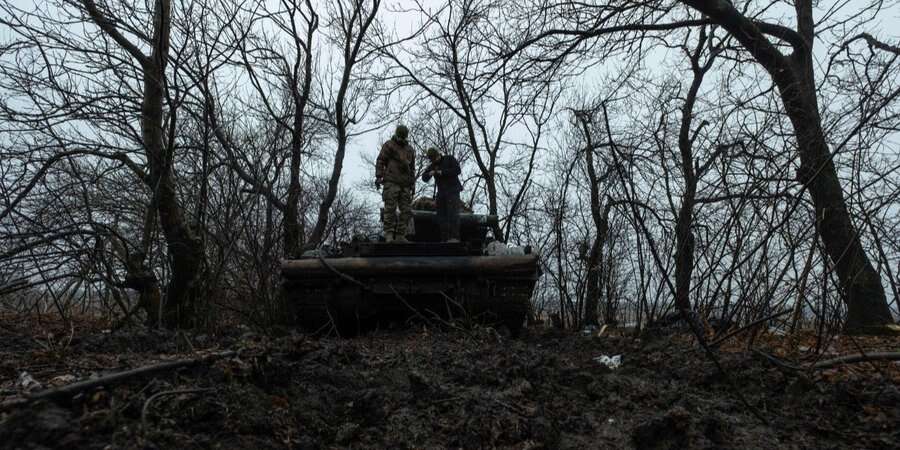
(874, 43)
(110, 29)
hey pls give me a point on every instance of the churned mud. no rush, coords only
(431, 388)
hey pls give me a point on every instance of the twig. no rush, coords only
(122, 408)
(778, 362)
(719, 341)
(864, 353)
(436, 317)
(340, 274)
(405, 303)
(514, 409)
(851, 359)
(163, 394)
(698, 333)
(343, 276)
(467, 320)
(73, 389)
(181, 335)
(331, 322)
(126, 320)
(829, 363)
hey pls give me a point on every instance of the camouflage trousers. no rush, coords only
(396, 197)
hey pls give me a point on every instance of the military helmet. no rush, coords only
(432, 153)
(401, 133)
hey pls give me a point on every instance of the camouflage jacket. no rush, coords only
(396, 163)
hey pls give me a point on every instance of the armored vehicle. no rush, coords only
(365, 284)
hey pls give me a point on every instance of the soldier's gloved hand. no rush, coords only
(378, 182)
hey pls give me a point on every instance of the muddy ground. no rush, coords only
(425, 387)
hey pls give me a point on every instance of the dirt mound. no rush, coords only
(445, 389)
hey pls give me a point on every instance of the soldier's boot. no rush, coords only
(388, 236)
(400, 238)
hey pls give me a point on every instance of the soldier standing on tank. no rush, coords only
(445, 170)
(395, 170)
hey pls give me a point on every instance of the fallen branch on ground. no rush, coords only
(851, 359)
(157, 395)
(829, 363)
(70, 390)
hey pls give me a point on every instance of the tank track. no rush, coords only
(308, 302)
(504, 302)
(506, 305)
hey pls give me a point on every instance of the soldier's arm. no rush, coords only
(429, 171)
(381, 161)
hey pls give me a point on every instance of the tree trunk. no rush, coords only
(684, 236)
(593, 263)
(862, 290)
(352, 46)
(865, 297)
(292, 234)
(293, 223)
(184, 249)
(684, 252)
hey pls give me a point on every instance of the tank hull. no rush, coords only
(354, 294)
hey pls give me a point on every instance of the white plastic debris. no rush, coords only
(27, 383)
(612, 362)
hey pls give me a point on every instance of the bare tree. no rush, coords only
(449, 60)
(684, 236)
(600, 217)
(103, 77)
(794, 77)
(350, 27)
(312, 104)
(184, 248)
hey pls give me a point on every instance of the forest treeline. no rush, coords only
(735, 159)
